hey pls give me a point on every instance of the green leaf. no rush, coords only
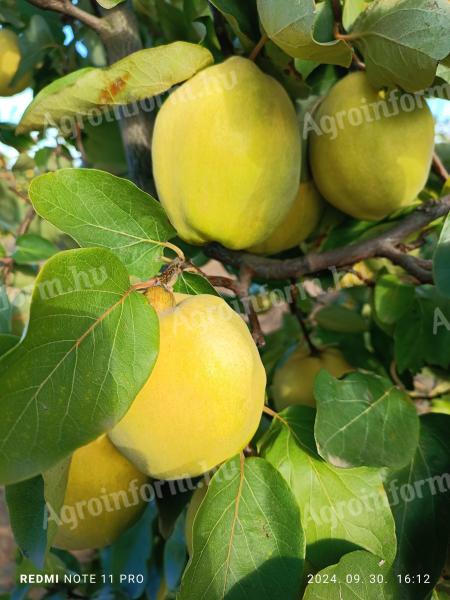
(100, 209)
(427, 341)
(402, 41)
(419, 497)
(352, 10)
(90, 346)
(342, 509)
(7, 341)
(129, 555)
(27, 516)
(136, 77)
(359, 575)
(441, 261)
(340, 319)
(31, 249)
(364, 420)
(191, 283)
(293, 25)
(392, 299)
(247, 537)
(242, 17)
(175, 555)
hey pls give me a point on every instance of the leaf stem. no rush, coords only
(259, 46)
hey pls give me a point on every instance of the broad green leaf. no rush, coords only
(419, 497)
(340, 319)
(392, 299)
(342, 509)
(357, 576)
(292, 25)
(242, 17)
(101, 210)
(7, 341)
(28, 503)
(352, 10)
(247, 537)
(402, 41)
(441, 261)
(422, 336)
(31, 249)
(90, 346)
(364, 420)
(440, 595)
(136, 77)
(27, 516)
(129, 555)
(175, 555)
(192, 283)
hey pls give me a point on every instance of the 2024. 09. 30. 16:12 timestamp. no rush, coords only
(374, 578)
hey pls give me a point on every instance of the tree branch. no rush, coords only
(439, 168)
(66, 7)
(383, 246)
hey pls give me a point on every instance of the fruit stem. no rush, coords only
(439, 168)
(259, 46)
(296, 311)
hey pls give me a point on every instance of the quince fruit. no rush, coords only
(9, 63)
(371, 151)
(203, 401)
(227, 155)
(102, 498)
(297, 225)
(293, 382)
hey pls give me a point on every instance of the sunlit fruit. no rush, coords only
(293, 382)
(297, 225)
(370, 151)
(103, 497)
(203, 401)
(226, 155)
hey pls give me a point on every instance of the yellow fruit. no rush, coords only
(226, 155)
(102, 497)
(9, 63)
(297, 225)
(352, 280)
(194, 505)
(368, 164)
(293, 383)
(203, 401)
(160, 298)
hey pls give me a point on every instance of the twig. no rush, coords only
(245, 280)
(382, 246)
(66, 7)
(296, 311)
(27, 220)
(440, 168)
(259, 46)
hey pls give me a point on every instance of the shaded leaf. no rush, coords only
(392, 299)
(419, 496)
(293, 24)
(247, 537)
(90, 346)
(402, 41)
(242, 17)
(364, 420)
(441, 261)
(136, 77)
(31, 249)
(428, 340)
(100, 209)
(340, 319)
(175, 555)
(7, 341)
(342, 509)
